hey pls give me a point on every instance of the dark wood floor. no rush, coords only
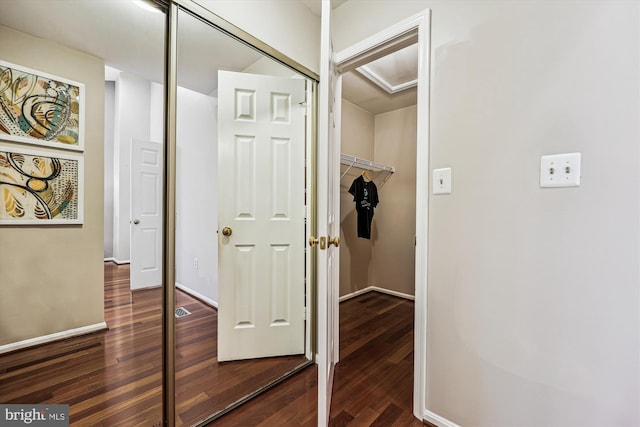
(113, 378)
(373, 381)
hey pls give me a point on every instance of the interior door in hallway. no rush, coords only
(146, 214)
(261, 229)
(328, 213)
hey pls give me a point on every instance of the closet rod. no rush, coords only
(353, 161)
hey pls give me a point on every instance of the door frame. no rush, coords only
(416, 28)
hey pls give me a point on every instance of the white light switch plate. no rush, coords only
(442, 181)
(560, 170)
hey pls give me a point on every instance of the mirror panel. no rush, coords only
(108, 373)
(241, 137)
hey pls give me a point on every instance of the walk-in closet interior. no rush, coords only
(378, 139)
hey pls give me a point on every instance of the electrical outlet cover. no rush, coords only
(560, 170)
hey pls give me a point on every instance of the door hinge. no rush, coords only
(306, 107)
(305, 313)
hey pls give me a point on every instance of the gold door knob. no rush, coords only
(227, 231)
(335, 241)
(313, 241)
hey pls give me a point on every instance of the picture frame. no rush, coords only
(39, 187)
(40, 108)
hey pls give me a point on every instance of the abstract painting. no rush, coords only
(40, 189)
(38, 108)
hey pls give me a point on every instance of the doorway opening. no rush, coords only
(394, 233)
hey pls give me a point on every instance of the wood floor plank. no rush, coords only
(114, 378)
(373, 382)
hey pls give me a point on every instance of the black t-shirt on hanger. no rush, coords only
(365, 194)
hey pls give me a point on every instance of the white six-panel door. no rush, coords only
(328, 211)
(146, 214)
(261, 230)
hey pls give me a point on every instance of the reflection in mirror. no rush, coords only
(241, 135)
(64, 289)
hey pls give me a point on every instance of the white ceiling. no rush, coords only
(132, 39)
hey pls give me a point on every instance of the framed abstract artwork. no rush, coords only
(39, 108)
(40, 187)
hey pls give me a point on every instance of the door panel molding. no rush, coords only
(261, 300)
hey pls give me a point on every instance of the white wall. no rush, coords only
(196, 186)
(286, 25)
(533, 298)
(197, 195)
(132, 120)
(156, 115)
(109, 112)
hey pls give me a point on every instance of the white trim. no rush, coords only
(436, 419)
(115, 260)
(393, 38)
(53, 337)
(146, 288)
(197, 295)
(376, 289)
(355, 294)
(382, 83)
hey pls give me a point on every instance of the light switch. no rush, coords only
(560, 170)
(442, 181)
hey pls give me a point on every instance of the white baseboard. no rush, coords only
(144, 288)
(377, 289)
(355, 294)
(436, 419)
(112, 259)
(197, 295)
(53, 337)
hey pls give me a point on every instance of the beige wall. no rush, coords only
(356, 254)
(533, 294)
(51, 277)
(387, 260)
(395, 217)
